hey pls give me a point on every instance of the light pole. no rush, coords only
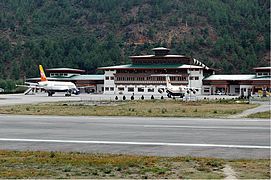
(189, 75)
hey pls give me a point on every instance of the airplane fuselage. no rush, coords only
(171, 92)
(58, 86)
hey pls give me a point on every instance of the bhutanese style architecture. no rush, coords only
(146, 74)
(242, 85)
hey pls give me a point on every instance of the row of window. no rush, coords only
(153, 71)
(263, 74)
(139, 89)
(153, 78)
(160, 61)
(194, 78)
(132, 89)
(236, 90)
(58, 74)
(109, 88)
(109, 77)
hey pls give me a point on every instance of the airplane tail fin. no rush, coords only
(168, 81)
(42, 74)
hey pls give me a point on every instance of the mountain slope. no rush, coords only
(232, 35)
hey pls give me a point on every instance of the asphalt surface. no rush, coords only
(13, 99)
(222, 138)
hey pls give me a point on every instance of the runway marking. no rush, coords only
(207, 127)
(135, 143)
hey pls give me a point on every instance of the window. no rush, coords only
(106, 77)
(111, 88)
(237, 90)
(150, 89)
(120, 88)
(130, 89)
(140, 89)
(191, 78)
(206, 90)
(106, 88)
(112, 78)
(196, 78)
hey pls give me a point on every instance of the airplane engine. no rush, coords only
(160, 91)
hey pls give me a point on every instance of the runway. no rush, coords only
(222, 138)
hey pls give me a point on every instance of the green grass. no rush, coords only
(27, 164)
(163, 108)
(264, 115)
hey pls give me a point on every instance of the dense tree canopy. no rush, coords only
(232, 35)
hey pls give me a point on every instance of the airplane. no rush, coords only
(51, 87)
(180, 91)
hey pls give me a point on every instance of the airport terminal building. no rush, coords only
(146, 75)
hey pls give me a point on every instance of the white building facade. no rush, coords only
(147, 74)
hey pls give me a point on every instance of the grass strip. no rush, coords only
(29, 164)
(263, 115)
(147, 108)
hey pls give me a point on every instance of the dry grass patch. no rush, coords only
(166, 108)
(264, 115)
(14, 164)
(251, 169)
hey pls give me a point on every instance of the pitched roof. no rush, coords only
(65, 69)
(230, 77)
(262, 68)
(151, 66)
(74, 77)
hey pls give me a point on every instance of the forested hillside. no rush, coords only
(232, 35)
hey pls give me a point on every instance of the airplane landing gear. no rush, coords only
(50, 93)
(69, 93)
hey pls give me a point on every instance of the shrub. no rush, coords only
(164, 110)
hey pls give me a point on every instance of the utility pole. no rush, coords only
(189, 75)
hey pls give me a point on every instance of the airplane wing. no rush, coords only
(28, 84)
(31, 84)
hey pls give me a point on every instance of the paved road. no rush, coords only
(223, 138)
(261, 108)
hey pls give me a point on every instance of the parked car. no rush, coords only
(2, 90)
